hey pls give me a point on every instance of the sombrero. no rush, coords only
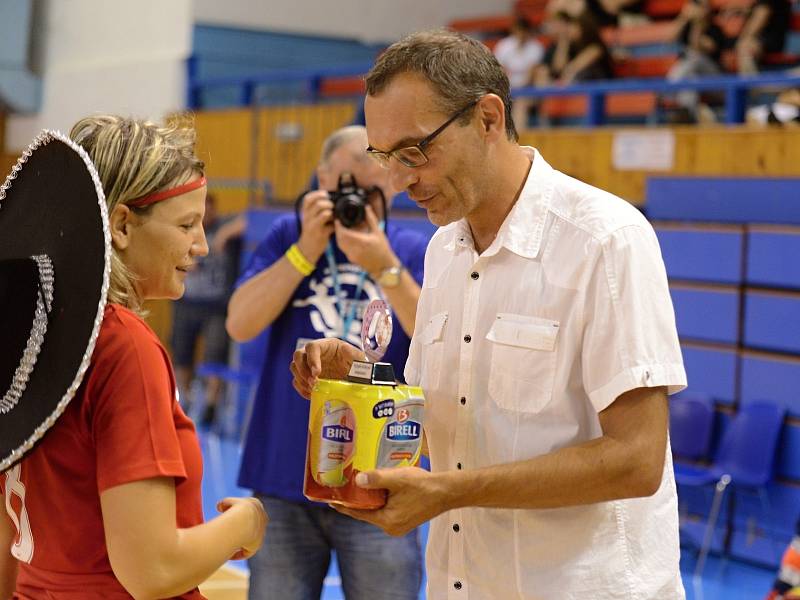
(55, 256)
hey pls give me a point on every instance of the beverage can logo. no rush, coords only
(403, 431)
(337, 433)
(402, 415)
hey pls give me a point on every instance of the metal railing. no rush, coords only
(735, 88)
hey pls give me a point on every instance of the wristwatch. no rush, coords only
(390, 277)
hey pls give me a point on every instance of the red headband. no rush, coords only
(170, 193)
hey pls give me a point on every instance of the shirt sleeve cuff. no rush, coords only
(673, 376)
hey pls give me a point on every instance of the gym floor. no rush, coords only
(722, 579)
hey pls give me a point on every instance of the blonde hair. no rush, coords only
(135, 158)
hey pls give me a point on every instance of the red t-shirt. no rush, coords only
(124, 425)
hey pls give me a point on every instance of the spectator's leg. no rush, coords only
(692, 66)
(185, 331)
(374, 564)
(293, 561)
(216, 351)
(748, 53)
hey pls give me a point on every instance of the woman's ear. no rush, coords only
(120, 222)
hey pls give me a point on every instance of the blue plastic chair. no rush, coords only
(691, 423)
(745, 459)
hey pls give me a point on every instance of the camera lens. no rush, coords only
(349, 210)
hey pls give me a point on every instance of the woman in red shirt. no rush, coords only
(108, 505)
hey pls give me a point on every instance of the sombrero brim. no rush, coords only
(53, 204)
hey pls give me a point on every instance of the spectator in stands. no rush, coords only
(606, 13)
(113, 507)
(784, 111)
(763, 32)
(519, 54)
(702, 43)
(787, 584)
(577, 53)
(545, 344)
(312, 279)
(201, 310)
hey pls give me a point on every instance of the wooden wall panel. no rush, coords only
(224, 142)
(289, 162)
(719, 150)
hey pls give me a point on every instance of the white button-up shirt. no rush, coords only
(518, 350)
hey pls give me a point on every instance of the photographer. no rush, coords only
(311, 278)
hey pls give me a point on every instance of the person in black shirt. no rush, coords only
(763, 32)
(577, 54)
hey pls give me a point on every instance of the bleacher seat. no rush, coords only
(772, 321)
(711, 370)
(768, 376)
(706, 313)
(772, 257)
(702, 253)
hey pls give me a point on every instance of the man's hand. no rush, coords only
(366, 246)
(330, 358)
(414, 497)
(317, 219)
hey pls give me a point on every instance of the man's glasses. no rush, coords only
(414, 156)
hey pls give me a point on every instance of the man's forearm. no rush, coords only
(626, 462)
(260, 300)
(597, 471)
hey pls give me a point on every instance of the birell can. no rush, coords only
(356, 427)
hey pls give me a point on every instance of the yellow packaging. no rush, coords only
(355, 427)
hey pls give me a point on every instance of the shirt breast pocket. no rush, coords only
(432, 338)
(523, 362)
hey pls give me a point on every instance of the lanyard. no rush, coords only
(345, 316)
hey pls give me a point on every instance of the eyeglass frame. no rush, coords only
(378, 154)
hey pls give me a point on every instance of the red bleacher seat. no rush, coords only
(662, 9)
(639, 35)
(644, 66)
(333, 87)
(482, 25)
(635, 104)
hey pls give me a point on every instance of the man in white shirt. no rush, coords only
(545, 344)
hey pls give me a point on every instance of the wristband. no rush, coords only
(299, 262)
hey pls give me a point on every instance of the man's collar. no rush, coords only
(522, 230)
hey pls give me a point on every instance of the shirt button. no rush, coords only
(458, 466)
(474, 275)
(456, 528)
(468, 338)
(457, 585)
(463, 400)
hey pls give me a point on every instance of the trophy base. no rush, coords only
(369, 373)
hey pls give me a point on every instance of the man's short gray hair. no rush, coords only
(342, 137)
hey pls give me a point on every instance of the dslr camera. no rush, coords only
(350, 201)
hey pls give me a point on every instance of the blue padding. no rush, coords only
(728, 200)
(417, 222)
(772, 259)
(776, 379)
(711, 372)
(789, 456)
(713, 255)
(710, 315)
(772, 321)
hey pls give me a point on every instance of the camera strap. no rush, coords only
(348, 315)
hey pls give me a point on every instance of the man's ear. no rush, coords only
(120, 222)
(492, 113)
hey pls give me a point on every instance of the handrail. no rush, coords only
(735, 87)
